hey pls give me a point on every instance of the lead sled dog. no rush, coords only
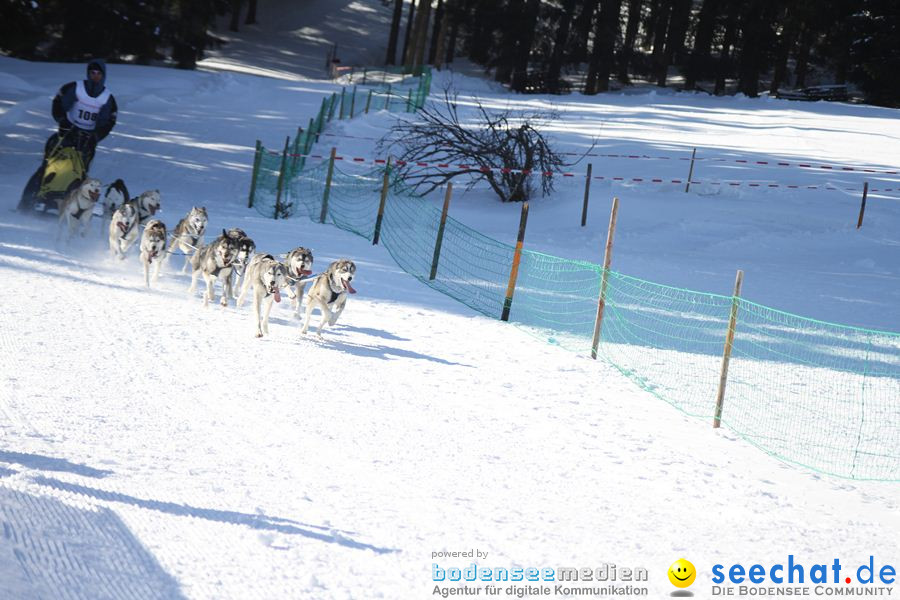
(329, 293)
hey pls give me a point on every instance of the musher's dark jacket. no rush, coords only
(66, 98)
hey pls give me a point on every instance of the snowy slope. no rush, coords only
(154, 448)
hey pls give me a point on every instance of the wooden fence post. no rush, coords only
(862, 207)
(256, 160)
(287, 142)
(385, 184)
(587, 194)
(690, 172)
(341, 109)
(331, 108)
(604, 277)
(297, 149)
(729, 344)
(440, 232)
(353, 102)
(327, 186)
(517, 257)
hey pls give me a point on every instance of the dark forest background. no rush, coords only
(719, 46)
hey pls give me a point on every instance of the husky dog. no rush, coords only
(299, 264)
(188, 235)
(153, 244)
(116, 195)
(215, 261)
(246, 248)
(147, 204)
(267, 276)
(77, 208)
(123, 229)
(329, 293)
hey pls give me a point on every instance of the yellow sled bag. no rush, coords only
(63, 167)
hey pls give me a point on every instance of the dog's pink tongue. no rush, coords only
(349, 287)
(277, 295)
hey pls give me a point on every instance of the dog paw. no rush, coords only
(259, 335)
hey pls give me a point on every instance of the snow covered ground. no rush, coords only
(151, 448)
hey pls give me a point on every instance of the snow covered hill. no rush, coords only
(151, 448)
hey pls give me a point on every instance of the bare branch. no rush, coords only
(495, 147)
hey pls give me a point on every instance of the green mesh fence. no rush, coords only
(404, 91)
(820, 395)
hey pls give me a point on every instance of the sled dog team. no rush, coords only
(230, 257)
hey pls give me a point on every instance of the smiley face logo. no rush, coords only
(682, 573)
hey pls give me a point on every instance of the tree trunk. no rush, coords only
(422, 32)
(524, 41)
(251, 13)
(723, 69)
(785, 45)
(634, 20)
(410, 25)
(650, 24)
(435, 31)
(706, 26)
(806, 41)
(559, 45)
(506, 57)
(455, 12)
(395, 33)
(235, 15)
(481, 32)
(751, 50)
(582, 26)
(604, 44)
(440, 49)
(661, 29)
(678, 26)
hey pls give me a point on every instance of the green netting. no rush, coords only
(821, 395)
(406, 91)
(818, 394)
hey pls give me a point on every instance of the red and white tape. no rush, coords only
(717, 159)
(477, 169)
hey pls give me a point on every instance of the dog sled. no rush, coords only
(64, 167)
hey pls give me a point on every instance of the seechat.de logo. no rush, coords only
(682, 573)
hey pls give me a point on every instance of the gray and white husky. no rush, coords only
(267, 276)
(188, 234)
(246, 249)
(77, 208)
(329, 293)
(116, 195)
(148, 204)
(299, 264)
(123, 229)
(215, 261)
(153, 246)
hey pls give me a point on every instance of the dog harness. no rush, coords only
(80, 211)
(85, 110)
